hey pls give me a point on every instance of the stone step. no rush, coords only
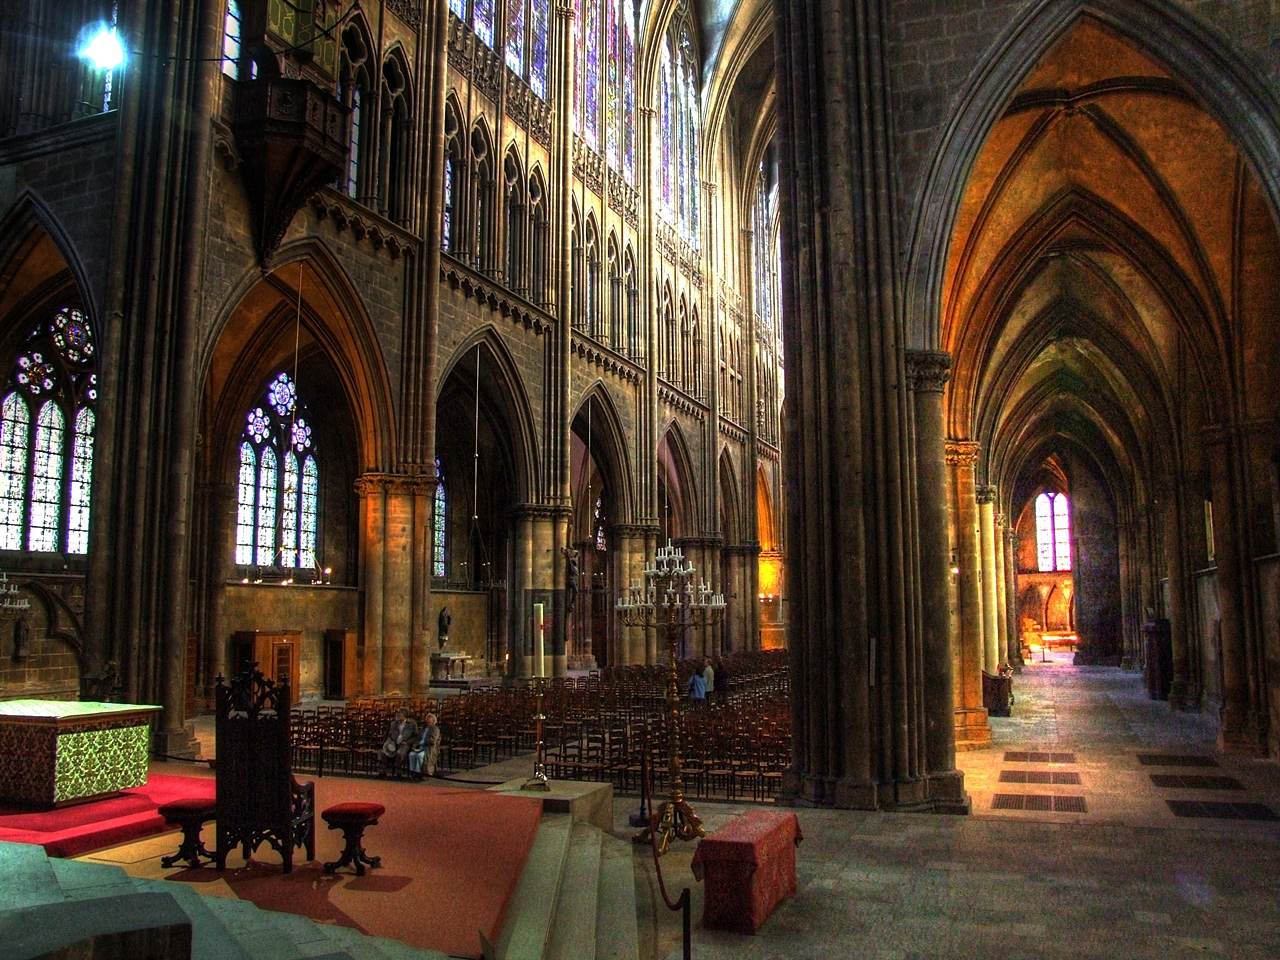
(573, 932)
(210, 938)
(616, 935)
(256, 931)
(527, 927)
(84, 881)
(29, 880)
(129, 925)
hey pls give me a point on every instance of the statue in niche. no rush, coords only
(442, 627)
(21, 639)
(570, 579)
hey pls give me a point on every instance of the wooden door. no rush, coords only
(340, 677)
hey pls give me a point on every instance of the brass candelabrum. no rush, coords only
(539, 779)
(670, 599)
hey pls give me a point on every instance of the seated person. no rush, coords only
(400, 738)
(422, 758)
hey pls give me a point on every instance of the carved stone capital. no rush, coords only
(963, 452)
(985, 493)
(372, 484)
(928, 370)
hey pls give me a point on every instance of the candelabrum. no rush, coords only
(672, 600)
(539, 779)
(12, 603)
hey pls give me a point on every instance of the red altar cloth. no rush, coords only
(750, 867)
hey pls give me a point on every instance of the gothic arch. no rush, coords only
(22, 228)
(676, 472)
(731, 505)
(258, 314)
(765, 513)
(506, 395)
(609, 448)
(1235, 96)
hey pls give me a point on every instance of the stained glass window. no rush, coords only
(541, 15)
(482, 20)
(576, 94)
(267, 484)
(353, 161)
(628, 92)
(459, 8)
(1053, 532)
(447, 226)
(81, 478)
(437, 528)
(515, 35)
(310, 513)
(289, 512)
(231, 40)
(612, 93)
(14, 430)
(277, 514)
(666, 118)
(591, 72)
(245, 508)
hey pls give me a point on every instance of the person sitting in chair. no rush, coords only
(422, 758)
(400, 738)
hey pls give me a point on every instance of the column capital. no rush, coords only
(986, 493)
(963, 452)
(374, 483)
(928, 370)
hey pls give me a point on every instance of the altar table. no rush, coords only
(54, 752)
(442, 665)
(749, 866)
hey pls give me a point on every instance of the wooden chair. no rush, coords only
(258, 799)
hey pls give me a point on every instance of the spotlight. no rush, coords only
(103, 49)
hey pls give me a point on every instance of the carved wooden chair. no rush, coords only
(259, 799)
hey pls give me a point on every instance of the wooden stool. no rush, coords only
(190, 813)
(351, 818)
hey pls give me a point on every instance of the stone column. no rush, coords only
(1243, 716)
(990, 607)
(372, 526)
(973, 731)
(1014, 636)
(928, 372)
(1001, 588)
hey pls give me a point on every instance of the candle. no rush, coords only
(539, 651)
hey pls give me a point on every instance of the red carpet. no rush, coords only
(72, 831)
(451, 859)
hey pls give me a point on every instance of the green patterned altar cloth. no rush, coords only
(62, 751)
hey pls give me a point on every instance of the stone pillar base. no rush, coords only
(947, 792)
(973, 732)
(1240, 734)
(177, 743)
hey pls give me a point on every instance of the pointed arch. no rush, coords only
(609, 447)
(539, 237)
(1234, 95)
(766, 520)
(677, 477)
(503, 391)
(731, 505)
(24, 225)
(260, 315)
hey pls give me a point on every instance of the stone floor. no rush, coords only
(1126, 878)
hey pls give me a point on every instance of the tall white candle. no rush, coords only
(539, 651)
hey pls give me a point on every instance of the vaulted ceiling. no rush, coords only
(1112, 270)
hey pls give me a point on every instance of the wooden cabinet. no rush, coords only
(340, 665)
(276, 654)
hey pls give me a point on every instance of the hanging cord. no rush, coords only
(683, 904)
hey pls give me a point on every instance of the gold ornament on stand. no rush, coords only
(671, 600)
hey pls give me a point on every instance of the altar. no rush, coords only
(54, 752)
(442, 664)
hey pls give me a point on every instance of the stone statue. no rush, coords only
(570, 578)
(442, 635)
(21, 639)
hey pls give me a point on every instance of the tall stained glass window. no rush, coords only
(591, 72)
(628, 92)
(231, 40)
(679, 119)
(353, 158)
(515, 35)
(613, 63)
(482, 20)
(446, 226)
(46, 438)
(278, 492)
(438, 527)
(459, 8)
(1053, 532)
(541, 21)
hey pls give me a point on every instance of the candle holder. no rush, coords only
(670, 599)
(12, 604)
(539, 779)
